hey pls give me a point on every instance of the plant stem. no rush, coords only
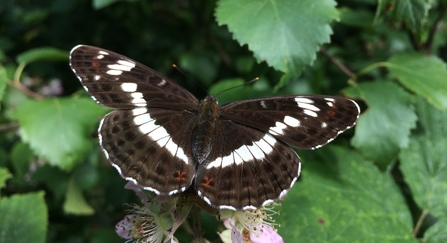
(419, 223)
(337, 63)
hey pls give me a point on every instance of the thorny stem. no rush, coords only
(419, 223)
(337, 63)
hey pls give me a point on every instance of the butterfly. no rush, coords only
(237, 156)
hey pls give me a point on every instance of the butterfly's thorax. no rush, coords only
(204, 132)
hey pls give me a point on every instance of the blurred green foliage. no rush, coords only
(384, 181)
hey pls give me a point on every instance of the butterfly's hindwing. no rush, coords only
(147, 147)
(246, 168)
(117, 81)
(305, 122)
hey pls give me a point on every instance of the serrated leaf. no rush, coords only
(4, 175)
(424, 75)
(285, 34)
(424, 162)
(58, 129)
(413, 13)
(75, 202)
(384, 128)
(23, 218)
(43, 53)
(344, 198)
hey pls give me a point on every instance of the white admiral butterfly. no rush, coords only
(236, 156)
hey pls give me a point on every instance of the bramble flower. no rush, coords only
(251, 226)
(155, 221)
(145, 224)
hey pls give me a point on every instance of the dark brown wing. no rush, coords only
(117, 81)
(148, 138)
(150, 146)
(305, 122)
(246, 169)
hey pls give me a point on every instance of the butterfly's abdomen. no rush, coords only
(204, 133)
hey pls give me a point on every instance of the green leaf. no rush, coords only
(55, 180)
(356, 17)
(286, 34)
(437, 233)
(99, 4)
(424, 162)
(23, 218)
(244, 64)
(344, 198)
(43, 53)
(424, 75)
(202, 64)
(3, 81)
(384, 128)
(4, 176)
(59, 129)
(238, 93)
(21, 156)
(105, 235)
(75, 202)
(413, 13)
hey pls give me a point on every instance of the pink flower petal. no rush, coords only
(124, 227)
(267, 234)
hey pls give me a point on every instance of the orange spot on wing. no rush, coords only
(207, 181)
(180, 175)
(331, 113)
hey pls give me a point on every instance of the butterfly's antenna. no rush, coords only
(237, 86)
(189, 77)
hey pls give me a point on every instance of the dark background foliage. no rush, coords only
(385, 181)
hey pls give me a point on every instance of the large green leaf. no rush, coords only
(286, 34)
(437, 233)
(424, 75)
(424, 162)
(384, 128)
(344, 198)
(24, 218)
(59, 129)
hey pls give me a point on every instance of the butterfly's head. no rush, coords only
(210, 99)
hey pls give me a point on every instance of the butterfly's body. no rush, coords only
(237, 156)
(204, 132)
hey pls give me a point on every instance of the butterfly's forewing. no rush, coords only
(148, 137)
(246, 168)
(304, 122)
(117, 81)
